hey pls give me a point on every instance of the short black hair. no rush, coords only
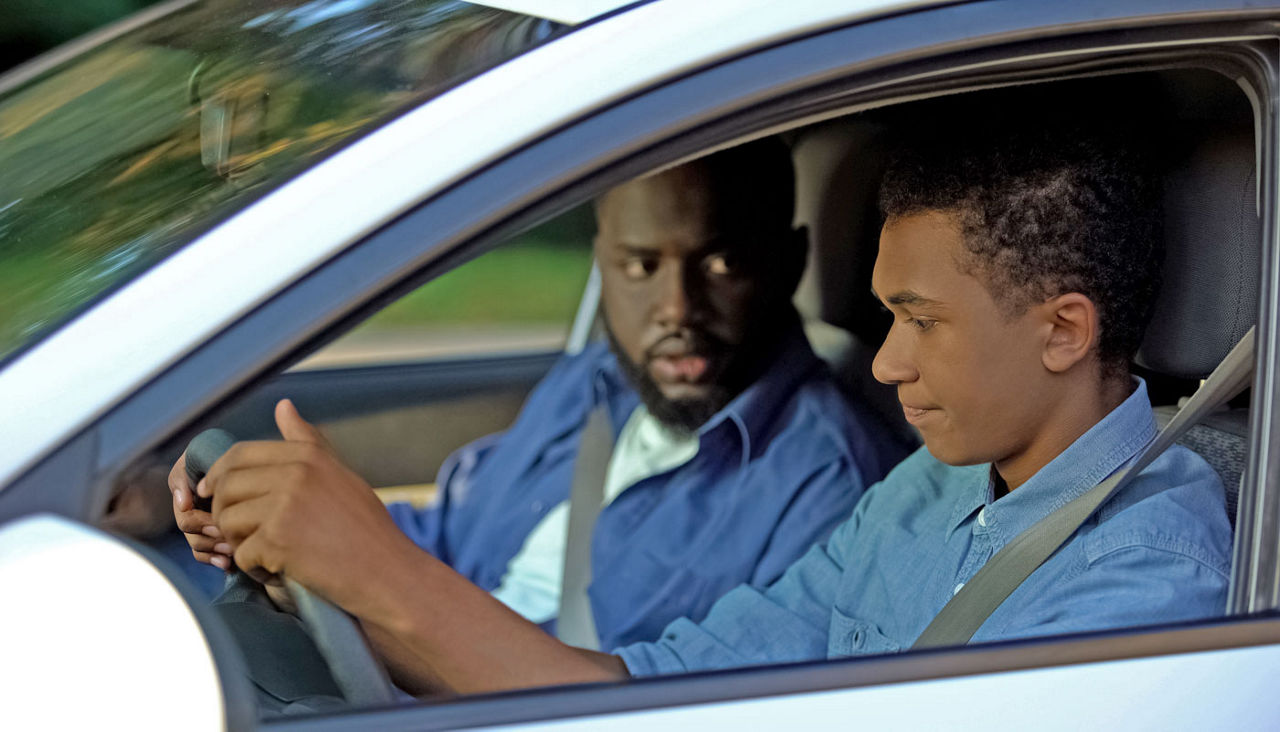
(1044, 212)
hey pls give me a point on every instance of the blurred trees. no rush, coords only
(31, 27)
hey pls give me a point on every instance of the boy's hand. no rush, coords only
(207, 542)
(292, 508)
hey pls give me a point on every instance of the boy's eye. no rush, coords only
(639, 268)
(921, 323)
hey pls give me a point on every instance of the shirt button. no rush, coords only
(857, 638)
(957, 589)
(537, 506)
(982, 517)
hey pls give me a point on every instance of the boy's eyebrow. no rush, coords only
(906, 297)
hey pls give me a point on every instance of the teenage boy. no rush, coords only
(1020, 274)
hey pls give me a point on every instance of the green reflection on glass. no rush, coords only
(117, 158)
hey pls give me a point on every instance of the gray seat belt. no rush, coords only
(575, 624)
(969, 608)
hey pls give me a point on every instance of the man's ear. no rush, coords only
(1072, 323)
(795, 259)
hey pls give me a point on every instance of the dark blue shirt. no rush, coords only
(775, 471)
(1158, 551)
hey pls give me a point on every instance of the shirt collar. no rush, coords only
(748, 415)
(1099, 452)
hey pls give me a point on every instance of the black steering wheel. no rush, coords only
(356, 671)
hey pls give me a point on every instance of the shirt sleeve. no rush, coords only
(788, 621)
(426, 526)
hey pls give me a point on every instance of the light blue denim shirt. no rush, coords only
(1158, 551)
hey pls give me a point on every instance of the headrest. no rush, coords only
(838, 168)
(1209, 297)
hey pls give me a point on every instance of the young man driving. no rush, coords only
(1019, 273)
(733, 449)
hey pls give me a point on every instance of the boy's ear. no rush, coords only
(1072, 321)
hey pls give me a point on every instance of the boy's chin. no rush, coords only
(957, 455)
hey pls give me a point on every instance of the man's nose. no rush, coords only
(893, 364)
(674, 301)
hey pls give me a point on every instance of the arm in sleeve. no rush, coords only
(788, 621)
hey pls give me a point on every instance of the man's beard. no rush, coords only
(681, 416)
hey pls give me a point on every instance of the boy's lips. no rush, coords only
(915, 415)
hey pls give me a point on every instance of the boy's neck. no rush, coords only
(1070, 418)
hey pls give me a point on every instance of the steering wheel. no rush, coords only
(359, 675)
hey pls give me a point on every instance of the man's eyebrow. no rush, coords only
(634, 248)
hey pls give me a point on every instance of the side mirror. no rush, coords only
(93, 630)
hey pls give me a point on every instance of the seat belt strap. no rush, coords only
(969, 608)
(575, 624)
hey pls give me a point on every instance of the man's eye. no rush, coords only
(638, 268)
(720, 265)
(921, 323)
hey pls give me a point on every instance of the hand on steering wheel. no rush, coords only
(359, 675)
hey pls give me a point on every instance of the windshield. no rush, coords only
(114, 159)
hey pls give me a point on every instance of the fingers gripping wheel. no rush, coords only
(357, 672)
(203, 451)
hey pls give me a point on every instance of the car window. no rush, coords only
(116, 158)
(519, 297)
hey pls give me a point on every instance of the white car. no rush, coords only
(198, 204)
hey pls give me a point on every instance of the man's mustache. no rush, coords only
(684, 342)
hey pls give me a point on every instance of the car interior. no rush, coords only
(395, 419)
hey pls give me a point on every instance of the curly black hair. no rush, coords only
(1044, 213)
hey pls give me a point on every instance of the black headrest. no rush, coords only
(1212, 232)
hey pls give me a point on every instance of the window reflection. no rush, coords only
(116, 158)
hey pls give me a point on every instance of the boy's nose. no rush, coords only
(892, 364)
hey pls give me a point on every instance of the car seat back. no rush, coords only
(838, 168)
(1209, 297)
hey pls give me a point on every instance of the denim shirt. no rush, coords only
(1157, 551)
(775, 471)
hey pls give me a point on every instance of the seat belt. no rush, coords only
(969, 608)
(575, 624)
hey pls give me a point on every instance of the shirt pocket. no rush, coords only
(850, 636)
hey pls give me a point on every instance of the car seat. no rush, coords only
(1209, 297)
(838, 168)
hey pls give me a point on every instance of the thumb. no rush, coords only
(294, 428)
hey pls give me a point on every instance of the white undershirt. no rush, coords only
(645, 448)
